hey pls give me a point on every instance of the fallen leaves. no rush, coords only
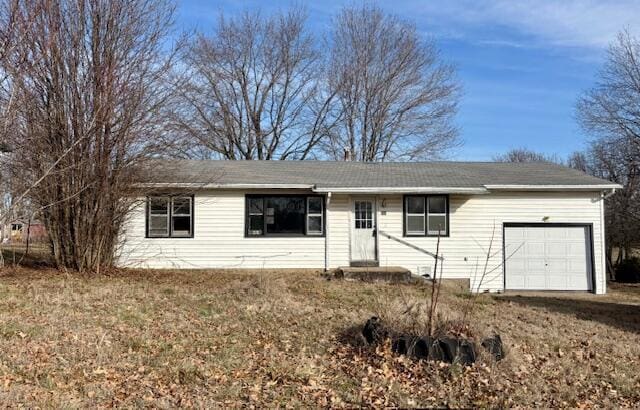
(270, 339)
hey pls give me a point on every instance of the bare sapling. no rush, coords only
(435, 291)
(488, 254)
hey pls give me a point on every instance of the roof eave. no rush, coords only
(403, 190)
(383, 190)
(195, 185)
(522, 187)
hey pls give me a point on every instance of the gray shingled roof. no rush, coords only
(331, 174)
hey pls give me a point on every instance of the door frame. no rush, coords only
(590, 246)
(374, 214)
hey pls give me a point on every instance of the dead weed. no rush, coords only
(230, 338)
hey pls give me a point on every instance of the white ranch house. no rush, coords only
(541, 224)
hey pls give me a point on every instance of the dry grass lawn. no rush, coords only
(203, 339)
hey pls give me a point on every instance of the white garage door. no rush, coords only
(547, 257)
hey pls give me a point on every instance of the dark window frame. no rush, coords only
(265, 234)
(426, 217)
(170, 226)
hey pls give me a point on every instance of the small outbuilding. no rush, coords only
(16, 231)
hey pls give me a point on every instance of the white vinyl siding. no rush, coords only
(219, 240)
(475, 224)
(339, 220)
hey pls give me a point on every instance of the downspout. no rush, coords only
(607, 195)
(377, 229)
(603, 238)
(326, 232)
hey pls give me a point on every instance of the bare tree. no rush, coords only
(616, 161)
(610, 112)
(620, 163)
(525, 155)
(580, 160)
(396, 98)
(252, 90)
(85, 84)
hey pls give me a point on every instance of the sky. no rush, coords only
(522, 63)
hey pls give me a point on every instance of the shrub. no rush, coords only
(628, 271)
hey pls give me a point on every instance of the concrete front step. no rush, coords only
(391, 274)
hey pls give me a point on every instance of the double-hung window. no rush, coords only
(170, 217)
(285, 215)
(426, 215)
(315, 217)
(415, 215)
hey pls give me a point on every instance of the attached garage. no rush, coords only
(548, 257)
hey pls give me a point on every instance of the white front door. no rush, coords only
(363, 230)
(547, 257)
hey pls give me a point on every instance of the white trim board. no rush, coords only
(513, 187)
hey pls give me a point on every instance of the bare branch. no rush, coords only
(252, 90)
(396, 99)
(84, 89)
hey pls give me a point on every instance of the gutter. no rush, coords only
(403, 190)
(323, 190)
(522, 187)
(222, 186)
(386, 190)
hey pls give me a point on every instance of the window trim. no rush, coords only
(407, 214)
(367, 212)
(170, 216)
(167, 215)
(315, 214)
(429, 214)
(265, 234)
(249, 214)
(426, 217)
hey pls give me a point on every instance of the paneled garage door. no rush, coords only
(547, 257)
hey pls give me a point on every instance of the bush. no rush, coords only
(628, 271)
